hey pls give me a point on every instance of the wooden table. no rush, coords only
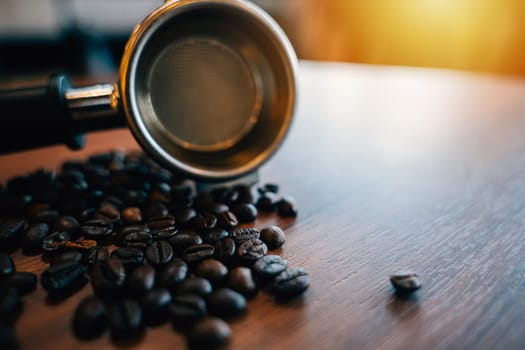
(392, 168)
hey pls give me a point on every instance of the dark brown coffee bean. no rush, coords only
(226, 303)
(216, 208)
(186, 309)
(173, 274)
(183, 239)
(63, 278)
(96, 229)
(96, 255)
(33, 236)
(267, 202)
(10, 229)
(183, 216)
(70, 256)
(23, 282)
(240, 279)
(130, 257)
(273, 237)
(66, 223)
(164, 233)
(49, 216)
(56, 241)
(107, 212)
(268, 188)
(244, 233)
(90, 318)
(269, 266)
(245, 194)
(286, 207)
(405, 281)
(194, 285)
(209, 333)
(161, 222)
(214, 235)
(155, 306)
(290, 283)
(198, 252)
(245, 212)
(7, 267)
(225, 250)
(211, 269)
(10, 303)
(226, 219)
(125, 319)
(131, 215)
(141, 280)
(251, 250)
(203, 221)
(152, 209)
(108, 278)
(159, 253)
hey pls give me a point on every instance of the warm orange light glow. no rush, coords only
(487, 35)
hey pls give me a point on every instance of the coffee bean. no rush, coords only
(152, 209)
(269, 188)
(251, 250)
(49, 216)
(8, 339)
(7, 267)
(97, 255)
(216, 208)
(267, 202)
(405, 281)
(183, 216)
(159, 253)
(70, 256)
(273, 237)
(286, 207)
(164, 233)
(270, 266)
(125, 319)
(63, 278)
(245, 194)
(240, 279)
(244, 233)
(98, 229)
(211, 269)
(107, 212)
(10, 229)
(194, 285)
(203, 221)
(225, 250)
(185, 309)
(214, 235)
(155, 305)
(66, 223)
(226, 219)
(141, 280)
(33, 236)
(161, 222)
(23, 282)
(226, 303)
(173, 274)
(245, 212)
(209, 333)
(290, 283)
(130, 257)
(90, 318)
(10, 303)
(56, 241)
(131, 215)
(183, 239)
(198, 252)
(108, 278)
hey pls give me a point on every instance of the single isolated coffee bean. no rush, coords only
(226, 303)
(290, 283)
(125, 319)
(405, 281)
(273, 237)
(209, 333)
(7, 267)
(141, 280)
(23, 282)
(159, 253)
(211, 269)
(63, 278)
(251, 250)
(155, 306)
(286, 207)
(240, 279)
(90, 318)
(185, 309)
(269, 266)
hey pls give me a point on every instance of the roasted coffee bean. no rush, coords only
(7, 267)
(10, 303)
(286, 207)
(163, 234)
(269, 266)
(267, 202)
(131, 215)
(141, 280)
(194, 285)
(23, 282)
(33, 236)
(155, 306)
(108, 278)
(161, 222)
(70, 256)
(123, 232)
(245, 194)
(216, 208)
(67, 223)
(214, 235)
(240, 279)
(251, 250)
(145, 238)
(273, 237)
(269, 188)
(209, 333)
(245, 212)
(152, 209)
(49, 216)
(225, 250)
(202, 200)
(198, 252)
(96, 255)
(130, 257)
(86, 214)
(173, 274)
(211, 269)
(107, 212)
(245, 233)
(290, 283)
(185, 309)
(183, 216)
(183, 239)
(226, 219)
(203, 221)
(226, 303)
(405, 281)
(159, 253)
(90, 318)
(98, 229)
(56, 241)
(10, 229)
(8, 339)
(63, 278)
(125, 319)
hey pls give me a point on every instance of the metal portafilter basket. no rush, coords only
(207, 88)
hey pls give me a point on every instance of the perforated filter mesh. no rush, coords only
(203, 94)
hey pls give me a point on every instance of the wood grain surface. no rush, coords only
(391, 168)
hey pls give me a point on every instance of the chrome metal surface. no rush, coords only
(84, 102)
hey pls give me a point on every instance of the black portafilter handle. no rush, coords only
(56, 113)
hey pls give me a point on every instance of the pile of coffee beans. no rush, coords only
(152, 247)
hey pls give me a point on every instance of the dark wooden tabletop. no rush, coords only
(391, 168)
